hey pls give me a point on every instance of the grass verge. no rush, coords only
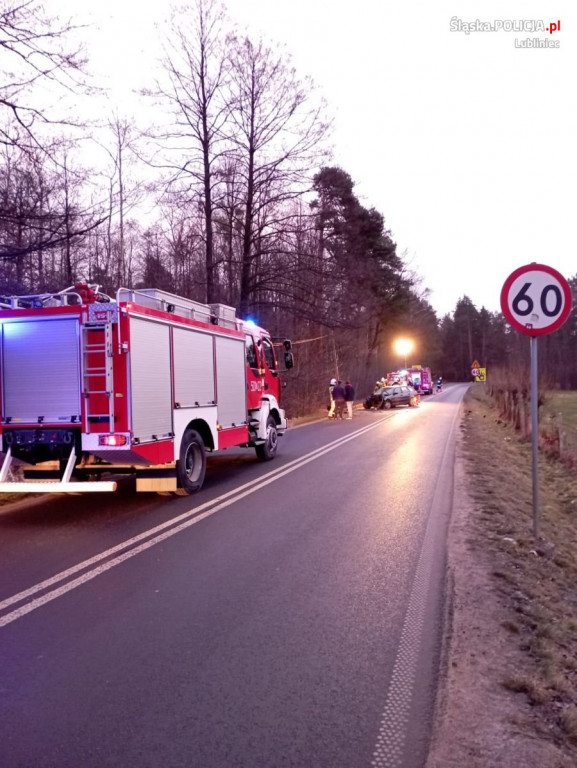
(535, 580)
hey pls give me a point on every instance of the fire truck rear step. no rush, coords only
(104, 486)
(52, 486)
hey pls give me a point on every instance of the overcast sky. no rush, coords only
(466, 143)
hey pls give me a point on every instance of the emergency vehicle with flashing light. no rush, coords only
(146, 383)
(416, 376)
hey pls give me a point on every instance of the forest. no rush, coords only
(232, 194)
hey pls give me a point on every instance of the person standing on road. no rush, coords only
(349, 398)
(339, 398)
(332, 385)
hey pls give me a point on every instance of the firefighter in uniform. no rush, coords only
(332, 385)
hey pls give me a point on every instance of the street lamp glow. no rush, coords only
(403, 347)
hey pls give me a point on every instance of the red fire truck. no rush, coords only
(146, 383)
(418, 377)
(422, 378)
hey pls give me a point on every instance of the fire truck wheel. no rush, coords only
(191, 466)
(267, 450)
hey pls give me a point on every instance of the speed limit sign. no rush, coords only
(536, 299)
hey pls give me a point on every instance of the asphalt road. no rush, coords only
(287, 615)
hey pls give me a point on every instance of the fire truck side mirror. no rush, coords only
(288, 360)
(287, 345)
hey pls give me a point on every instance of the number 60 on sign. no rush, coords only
(536, 299)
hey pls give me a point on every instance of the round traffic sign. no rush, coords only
(536, 299)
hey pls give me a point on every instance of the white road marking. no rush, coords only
(391, 740)
(159, 533)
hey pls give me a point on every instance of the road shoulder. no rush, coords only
(478, 722)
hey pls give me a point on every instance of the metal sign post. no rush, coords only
(535, 435)
(535, 299)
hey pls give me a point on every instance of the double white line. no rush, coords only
(112, 557)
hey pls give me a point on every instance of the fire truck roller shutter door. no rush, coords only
(193, 368)
(41, 376)
(231, 381)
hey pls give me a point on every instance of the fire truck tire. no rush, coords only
(191, 466)
(267, 450)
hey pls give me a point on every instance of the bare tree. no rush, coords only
(40, 69)
(228, 230)
(35, 213)
(123, 192)
(35, 53)
(278, 133)
(191, 149)
(121, 131)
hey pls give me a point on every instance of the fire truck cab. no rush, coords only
(146, 383)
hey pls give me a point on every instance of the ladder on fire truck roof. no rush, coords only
(97, 373)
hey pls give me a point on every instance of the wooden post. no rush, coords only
(561, 435)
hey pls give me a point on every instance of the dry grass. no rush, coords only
(565, 403)
(533, 688)
(537, 580)
(569, 722)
